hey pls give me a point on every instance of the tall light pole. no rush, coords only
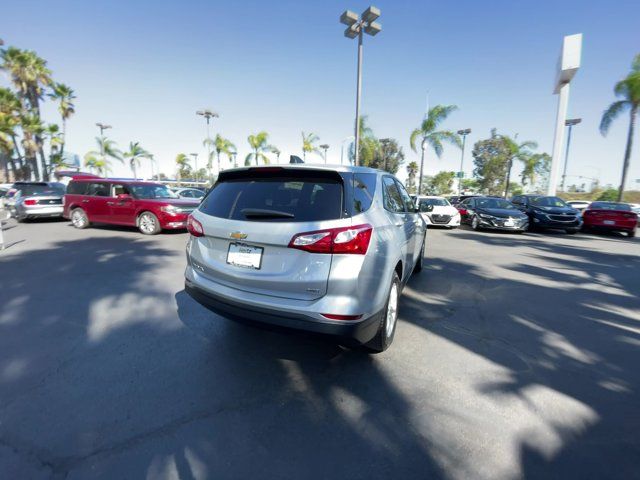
(464, 134)
(208, 115)
(342, 148)
(325, 147)
(356, 27)
(102, 127)
(568, 65)
(195, 161)
(569, 123)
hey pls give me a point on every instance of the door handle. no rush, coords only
(399, 224)
(85, 201)
(109, 203)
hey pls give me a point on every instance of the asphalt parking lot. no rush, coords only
(515, 356)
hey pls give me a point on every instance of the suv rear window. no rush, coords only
(290, 196)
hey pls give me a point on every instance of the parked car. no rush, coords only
(189, 193)
(610, 216)
(492, 213)
(438, 211)
(458, 199)
(28, 200)
(316, 248)
(149, 206)
(579, 205)
(548, 213)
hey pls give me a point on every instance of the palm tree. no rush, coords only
(308, 144)
(368, 143)
(259, 144)
(107, 150)
(65, 96)
(135, 153)
(9, 122)
(533, 166)
(96, 164)
(30, 75)
(432, 137)
(412, 171)
(182, 160)
(518, 151)
(223, 145)
(629, 89)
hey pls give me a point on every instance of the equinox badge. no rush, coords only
(238, 235)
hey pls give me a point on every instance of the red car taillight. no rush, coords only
(194, 227)
(30, 201)
(353, 240)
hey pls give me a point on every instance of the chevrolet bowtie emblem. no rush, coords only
(238, 235)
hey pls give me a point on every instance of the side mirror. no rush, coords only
(429, 208)
(123, 197)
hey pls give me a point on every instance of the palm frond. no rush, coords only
(417, 133)
(610, 114)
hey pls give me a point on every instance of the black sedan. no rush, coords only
(548, 212)
(492, 213)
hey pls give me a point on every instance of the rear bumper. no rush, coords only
(45, 211)
(619, 226)
(358, 331)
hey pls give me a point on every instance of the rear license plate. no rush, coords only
(246, 256)
(609, 222)
(508, 223)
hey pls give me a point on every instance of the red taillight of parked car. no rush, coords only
(31, 201)
(352, 240)
(194, 227)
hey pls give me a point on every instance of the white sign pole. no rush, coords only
(568, 65)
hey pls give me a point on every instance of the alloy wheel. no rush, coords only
(77, 219)
(392, 310)
(147, 223)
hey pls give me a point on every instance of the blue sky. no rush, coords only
(145, 67)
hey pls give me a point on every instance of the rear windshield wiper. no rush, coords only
(262, 213)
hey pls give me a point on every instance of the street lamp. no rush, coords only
(464, 134)
(195, 161)
(208, 115)
(325, 147)
(342, 148)
(102, 127)
(355, 28)
(568, 65)
(569, 123)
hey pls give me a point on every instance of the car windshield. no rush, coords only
(610, 206)
(548, 202)
(152, 191)
(436, 202)
(494, 203)
(41, 190)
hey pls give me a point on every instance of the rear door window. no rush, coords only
(282, 195)
(364, 188)
(98, 189)
(391, 195)
(406, 198)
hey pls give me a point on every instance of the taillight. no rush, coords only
(30, 201)
(194, 227)
(335, 316)
(353, 240)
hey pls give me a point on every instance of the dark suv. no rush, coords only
(548, 212)
(149, 206)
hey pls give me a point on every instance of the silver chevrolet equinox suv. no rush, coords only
(319, 248)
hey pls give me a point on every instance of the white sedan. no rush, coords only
(438, 211)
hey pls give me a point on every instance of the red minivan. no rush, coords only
(149, 206)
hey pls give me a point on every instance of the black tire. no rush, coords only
(631, 233)
(383, 338)
(419, 265)
(149, 224)
(79, 218)
(571, 231)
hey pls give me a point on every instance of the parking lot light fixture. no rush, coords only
(356, 27)
(464, 134)
(569, 123)
(325, 147)
(208, 114)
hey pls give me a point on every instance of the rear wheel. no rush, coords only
(387, 326)
(148, 223)
(79, 218)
